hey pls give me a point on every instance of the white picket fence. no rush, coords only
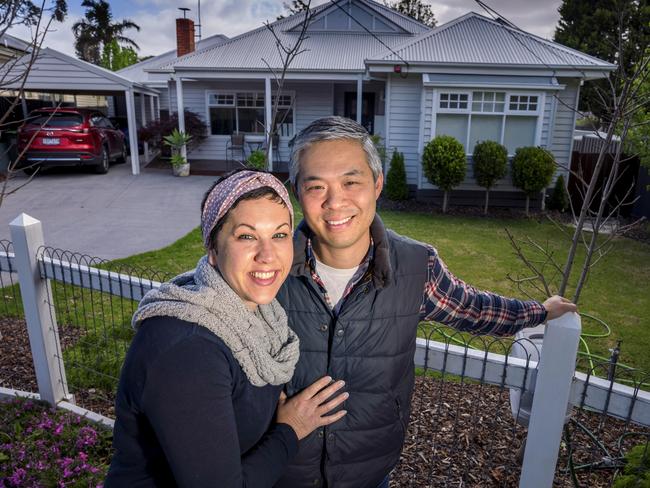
(553, 380)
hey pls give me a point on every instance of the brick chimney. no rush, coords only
(184, 36)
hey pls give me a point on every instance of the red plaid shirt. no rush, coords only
(450, 301)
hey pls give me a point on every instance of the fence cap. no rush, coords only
(24, 220)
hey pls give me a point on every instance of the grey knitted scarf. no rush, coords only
(261, 342)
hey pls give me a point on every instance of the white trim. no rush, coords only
(423, 96)
(359, 98)
(573, 126)
(490, 69)
(496, 86)
(219, 74)
(386, 117)
(268, 114)
(540, 119)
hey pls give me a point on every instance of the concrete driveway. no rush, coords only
(109, 216)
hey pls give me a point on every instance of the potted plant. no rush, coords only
(176, 140)
(257, 160)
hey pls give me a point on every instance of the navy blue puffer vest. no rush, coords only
(370, 345)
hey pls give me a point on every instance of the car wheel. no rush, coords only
(30, 170)
(122, 157)
(102, 167)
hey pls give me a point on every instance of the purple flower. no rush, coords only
(58, 430)
(18, 477)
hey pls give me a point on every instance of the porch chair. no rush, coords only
(236, 144)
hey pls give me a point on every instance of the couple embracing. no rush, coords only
(286, 357)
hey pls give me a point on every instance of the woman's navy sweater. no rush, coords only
(186, 415)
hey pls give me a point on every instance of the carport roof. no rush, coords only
(54, 71)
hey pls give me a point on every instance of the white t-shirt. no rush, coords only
(335, 281)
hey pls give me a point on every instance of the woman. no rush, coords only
(203, 377)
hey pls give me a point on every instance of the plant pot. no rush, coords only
(181, 169)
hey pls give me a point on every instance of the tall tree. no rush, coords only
(97, 30)
(116, 57)
(617, 31)
(416, 9)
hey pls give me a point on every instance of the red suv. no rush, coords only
(69, 137)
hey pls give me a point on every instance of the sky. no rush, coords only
(233, 17)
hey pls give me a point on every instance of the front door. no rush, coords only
(367, 109)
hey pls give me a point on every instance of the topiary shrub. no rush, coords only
(559, 199)
(532, 170)
(257, 160)
(396, 187)
(444, 164)
(490, 165)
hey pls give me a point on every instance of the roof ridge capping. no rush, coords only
(517, 31)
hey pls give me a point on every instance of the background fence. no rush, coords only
(485, 411)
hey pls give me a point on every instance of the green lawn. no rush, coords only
(477, 250)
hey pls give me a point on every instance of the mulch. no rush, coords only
(459, 435)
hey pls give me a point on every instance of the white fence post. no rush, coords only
(27, 237)
(552, 391)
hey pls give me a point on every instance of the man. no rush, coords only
(355, 296)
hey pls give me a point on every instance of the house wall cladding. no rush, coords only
(555, 134)
(403, 120)
(312, 101)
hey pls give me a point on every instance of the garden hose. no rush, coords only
(586, 353)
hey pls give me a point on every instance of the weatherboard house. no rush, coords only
(474, 78)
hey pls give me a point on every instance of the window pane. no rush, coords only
(476, 106)
(519, 132)
(222, 120)
(251, 120)
(284, 122)
(452, 125)
(484, 128)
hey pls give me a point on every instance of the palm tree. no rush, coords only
(97, 30)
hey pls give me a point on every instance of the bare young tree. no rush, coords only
(288, 49)
(596, 221)
(15, 69)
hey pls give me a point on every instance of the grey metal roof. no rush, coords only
(55, 71)
(327, 51)
(136, 72)
(474, 39)
(12, 42)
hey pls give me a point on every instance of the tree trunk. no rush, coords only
(527, 205)
(444, 201)
(543, 199)
(487, 199)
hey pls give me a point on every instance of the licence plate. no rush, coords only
(51, 141)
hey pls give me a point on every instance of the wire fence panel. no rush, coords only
(16, 365)
(93, 301)
(469, 420)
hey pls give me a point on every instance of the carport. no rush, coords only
(55, 72)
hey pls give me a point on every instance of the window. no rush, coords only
(232, 112)
(488, 102)
(454, 101)
(523, 103)
(471, 117)
(284, 118)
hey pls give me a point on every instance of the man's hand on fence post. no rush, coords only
(556, 306)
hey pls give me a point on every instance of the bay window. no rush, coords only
(511, 119)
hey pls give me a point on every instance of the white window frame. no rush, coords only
(539, 112)
(208, 106)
